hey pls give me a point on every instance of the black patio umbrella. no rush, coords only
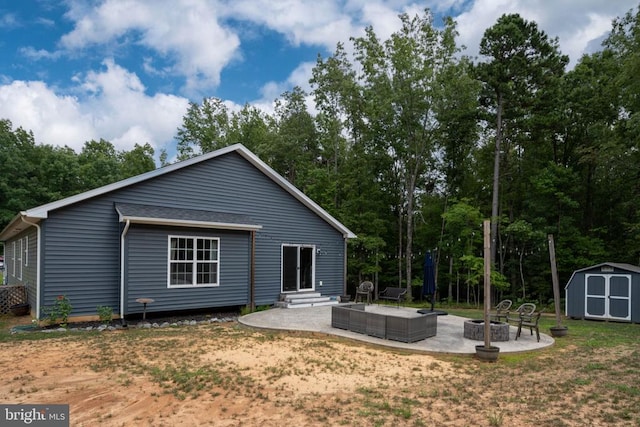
(429, 281)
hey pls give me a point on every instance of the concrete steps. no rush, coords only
(305, 299)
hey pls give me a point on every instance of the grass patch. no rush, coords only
(591, 374)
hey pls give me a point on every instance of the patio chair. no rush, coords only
(502, 310)
(525, 309)
(529, 321)
(364, 290)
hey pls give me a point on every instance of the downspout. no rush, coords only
(122, 236)
(38, 264)
(344, 268)
(252, 278)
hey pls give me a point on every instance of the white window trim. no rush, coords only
(19, 261)
(13, 258)
(195, 262)
(26, 251)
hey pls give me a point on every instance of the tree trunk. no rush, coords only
(450, 296)
(400, 247)
(409, 243)
(522, 275)
(496, 180)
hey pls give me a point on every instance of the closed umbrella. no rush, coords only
(429, 280)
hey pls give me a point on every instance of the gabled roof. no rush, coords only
(618, 265)
(621, 266)
(39, 213)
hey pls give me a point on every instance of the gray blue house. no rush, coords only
(219, 230)
(607, 291)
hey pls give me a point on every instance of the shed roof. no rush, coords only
(619, 265)
(35, 215)
(160, 215)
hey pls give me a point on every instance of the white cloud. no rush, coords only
(185, 32)
(301, 21)
(8, 20)
(194, 40)
(35, 107)
(114, 108)
(576, 23)
(122, 111)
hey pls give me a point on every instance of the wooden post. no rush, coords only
(554, 280)
(487, 283)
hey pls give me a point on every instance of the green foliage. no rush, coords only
(137, 161)
(59, 311)
(105, 313)
(36, 174)
(412, 145)
(204, 128)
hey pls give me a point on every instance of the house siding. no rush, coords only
(29, 263)
(82, 241)
(146, 270)
(82, 256)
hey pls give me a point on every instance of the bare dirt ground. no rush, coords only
(229, 375)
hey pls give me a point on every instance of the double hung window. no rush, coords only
(193, 261)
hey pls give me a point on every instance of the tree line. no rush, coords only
(411, 145)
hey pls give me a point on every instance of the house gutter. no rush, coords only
(122, 236)
(38, 246)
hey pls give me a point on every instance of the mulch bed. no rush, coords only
(152, 320)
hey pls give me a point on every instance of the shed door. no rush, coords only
(608, 296)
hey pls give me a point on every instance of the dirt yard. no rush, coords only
(230, 375)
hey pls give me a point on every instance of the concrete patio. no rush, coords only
(449, 337)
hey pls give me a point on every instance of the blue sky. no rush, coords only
(125, 70)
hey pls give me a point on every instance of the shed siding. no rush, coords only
(146, 270)
(82, 241)
(575, 296)
(635, 298)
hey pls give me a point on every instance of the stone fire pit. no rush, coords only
(474, 330)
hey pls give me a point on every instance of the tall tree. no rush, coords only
(99, 164)
(522, 61)
(138, 160)
(624, 45)
(457, 115)
(402, 84)
(253, 128)
(296, 150)
(351, 165)
(204, 128)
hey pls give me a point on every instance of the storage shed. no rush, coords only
(607, 291)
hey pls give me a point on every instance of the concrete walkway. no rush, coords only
(449, 338)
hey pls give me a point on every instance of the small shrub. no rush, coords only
(105, 313)
(60, 310)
